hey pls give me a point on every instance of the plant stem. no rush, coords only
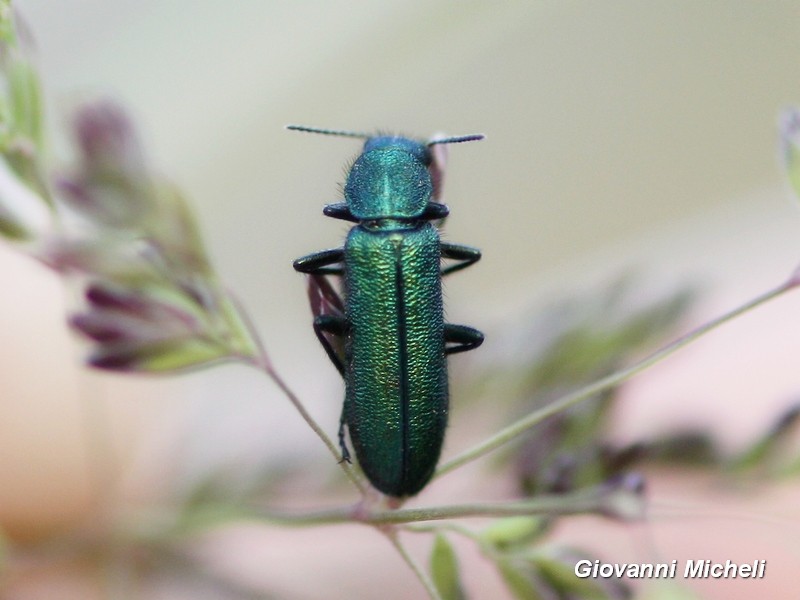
(433, 593)
(597, 500)
(262, 362)
(516, 429)
(266, 366)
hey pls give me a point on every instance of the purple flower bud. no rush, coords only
(107, 296)
(151, 304)
(106, 137)
(99, 329)
(164, 357)
(76, 192)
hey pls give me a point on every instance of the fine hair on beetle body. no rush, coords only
(386, 334)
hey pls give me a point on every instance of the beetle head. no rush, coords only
(390, 180)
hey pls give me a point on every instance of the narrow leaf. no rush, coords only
(521, 580)
(444, 570)
(514, 532)
(561, 577)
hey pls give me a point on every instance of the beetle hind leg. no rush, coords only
(330, 324)
(342, 442)
(334, 326)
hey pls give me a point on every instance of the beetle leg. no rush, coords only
(465, 255)
(336, 326)
(435, 211)
(339, 210)
(323, 298)
(320, 263)
(329, 320)
(342, 443)
(464, 338)
(333, 325)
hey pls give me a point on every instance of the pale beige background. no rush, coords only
(619, 134)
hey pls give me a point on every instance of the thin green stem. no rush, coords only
(426, 582)
(451, 527)
(537, 416)
(262, 362)
(602, 500)
(265, 365)
(596, 500)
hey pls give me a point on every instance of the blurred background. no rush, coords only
(622, 137)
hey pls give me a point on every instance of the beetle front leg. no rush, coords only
(464, 338)
(466, 255)
(339, 210)
(320, 263)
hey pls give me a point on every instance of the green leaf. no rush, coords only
(7, 34)
(10, 229)
(444, 570)
(576, 341)
(561, 577)
(668, 591)
(20, 127)
(521, 580)
(772, 447)
(690, 447)
(26, 102)
(514, 532)
(549, 573)
(583, 338)
(24, 213)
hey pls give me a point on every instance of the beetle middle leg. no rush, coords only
(326, 304)
(335, 326)
(462, 337)
(465, 255)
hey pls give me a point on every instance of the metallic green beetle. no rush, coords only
(395, 339)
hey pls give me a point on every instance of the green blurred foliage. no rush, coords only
(444, 570)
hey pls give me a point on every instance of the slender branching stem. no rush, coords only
(597, 500)
(433, 593)
(266, 366)
(590, 501)
(521, 426)
(262, 362)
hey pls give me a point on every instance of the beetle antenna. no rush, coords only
(473, 137)
(354, 134)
